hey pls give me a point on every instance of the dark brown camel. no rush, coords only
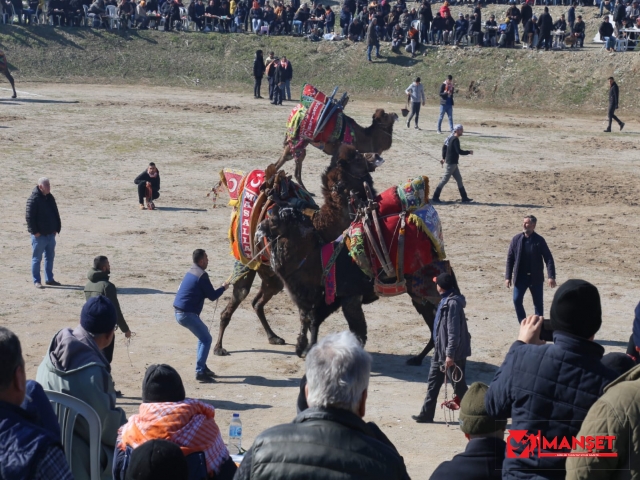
(299, 244)
(347, 172)
(375, 138)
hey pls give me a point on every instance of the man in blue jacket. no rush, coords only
(525, 269)
(550, 388)
(193, 290)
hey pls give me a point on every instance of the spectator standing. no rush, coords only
(372, 39)
(571, 15)
(524, 269)
(550, 388)
(526, 13)
(287, 75)
(515, 16)
(451, 152)
(415, 91)
(484, 454)
(74, 364)
(148, 183)
(193, 290)
(426, 17)
(43, 223)
(545, 24)
(452, 347)
(345, 20)
(158, 460)
(330, 439)
(446, 103)
(614, 95)
(633, 348)
(619, 14)
(258, 73)
(329, 22)
(99, 284)
(28, 450)
(166, 414)
(270, 70)
(278, 82)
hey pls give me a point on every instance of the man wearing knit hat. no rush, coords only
(484, 454)
(75, 365)
(550, 387)
(158, 460)
(452, 347)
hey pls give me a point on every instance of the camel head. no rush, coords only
(347, 172)
(383, 119)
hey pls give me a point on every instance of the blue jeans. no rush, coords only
(287, 89)
(43, 244)
(256, 24)
(370, 49)
(448, 109)
(297, 26)
(199, 329)
(519, 289)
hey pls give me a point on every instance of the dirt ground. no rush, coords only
(92, 141)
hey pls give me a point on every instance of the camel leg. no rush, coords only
(298, 171)
(352, 310)
(302, 343)
(12, 82)
(286, 156)
(428, 312)
(271, 285)
(315, 318)
(240, 291)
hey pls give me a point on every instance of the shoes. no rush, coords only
(621, 126)
(422, 419)
(259, 96)
(417, 127)
(436, 200)
(408, 124)
(14, 96)
(53, 283)
(209, 372)
(608, 130)
(439, 132)
(204, 378)
(38, 285)
(378, 56)
(142, 207)
(151, 205)
(467, 200)
(119, 394)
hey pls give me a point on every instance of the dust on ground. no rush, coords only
(92, 142)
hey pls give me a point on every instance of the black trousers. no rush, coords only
(108, 350)
(256, 86)
(415, 110)
(612, 116)
(277, 94)
(271, 88)
(435, 381)
(546, 39)
(142, 193)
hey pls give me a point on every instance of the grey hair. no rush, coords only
(43, 180)
(532, 219)
(338, 370)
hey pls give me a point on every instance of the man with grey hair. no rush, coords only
(43, 223)
(451, 152)
(329, 440)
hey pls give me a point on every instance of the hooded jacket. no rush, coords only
(99, 284)
(450, 332)
(42, 214)
(75, 365)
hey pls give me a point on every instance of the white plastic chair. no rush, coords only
(88, 21)
(112, 15)
(184, 18)
(416, 24)
(67, 409)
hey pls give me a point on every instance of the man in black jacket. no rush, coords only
(606, 35)
(426, 17)
(613, 104)
(545, 24)
(43, 223)
(451, 152)
(524, 267)
(258, 73)
(278, 82)
(148, 183)
(329, 440)
(287, 76)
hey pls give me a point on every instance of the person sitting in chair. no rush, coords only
(462, 27)
(577, 32)
(148, 183)
(397, 38)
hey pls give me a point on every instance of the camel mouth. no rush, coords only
(376, 162)
(395, 117)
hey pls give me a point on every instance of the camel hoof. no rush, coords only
(220, 352)
(415, 361)
(301, 346)
(276, 340)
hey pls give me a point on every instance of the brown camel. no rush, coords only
(375, 138)
(298, 244)
(347, 172)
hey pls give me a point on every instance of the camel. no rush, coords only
(375, 138)
(297, 243)
(347, 172)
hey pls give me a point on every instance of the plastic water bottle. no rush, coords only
(235, 435)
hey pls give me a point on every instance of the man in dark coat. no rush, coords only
(526, 13)
(426, 17)
(329, 440)
(614, 94)
(258, 73)
(43, 223)
(524, 267)
(278, 82)
(287, 76)
(550, 388)
(482, 458)
(451, 152)
(372, 39)
(545, 24)
(148, 183)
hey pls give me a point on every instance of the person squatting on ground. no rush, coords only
(446, 103)
(4, 69)
(166, 413)
(258, 73)
(614, 95)
(452, 347)
(74, 364)
(43, 223)
(451, 152)
(148, 183)
(551, 387)
(524, 268)
(99, 284)
(415, 92)
(30, 445)
(329, 440)
(484, 454)
(193, 290)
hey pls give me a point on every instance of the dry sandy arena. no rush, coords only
(93, 140)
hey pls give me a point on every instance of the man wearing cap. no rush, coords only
(75, 365)
(452, 347)
(527, 250)
(551, 387)
(484, 454)
(451, 152)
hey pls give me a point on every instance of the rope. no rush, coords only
(449, 415)
(213, 318)
(231, 280)
(127, 342)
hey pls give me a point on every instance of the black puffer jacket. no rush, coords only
(42, 214)
(323, 444)
(145, 177)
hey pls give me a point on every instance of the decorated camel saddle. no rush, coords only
(399, 233)
(250, 202)
(318, 120)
